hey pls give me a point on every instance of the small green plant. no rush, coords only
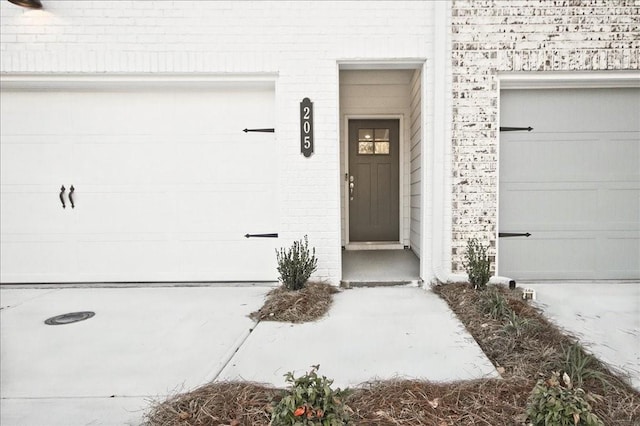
(310, 401)
(296, 264)
(580, 366)
(516, 324)
(495, 304)
(478, 264)
(553, 403)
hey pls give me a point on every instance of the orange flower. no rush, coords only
(299, 411)
(319, 413)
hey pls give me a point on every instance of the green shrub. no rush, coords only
(296, 264)
(478, 264)
(310, 401)
(552, 403)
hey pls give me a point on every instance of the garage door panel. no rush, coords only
(573, 183)
(147, 258)
(48, 107)
(619, 157)
(126, 162)
(244, 109)
(619, 254)
(238, 161)
(152, 170)
(47, 156)
(531, 209)
(33, 209)
(564, 257)
(573, 110)
(621, 206)
(141, 209)
(45, 260)
(254, 256)
(604, 156)
(241, 211)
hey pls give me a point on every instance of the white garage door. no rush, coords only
(165, 182)
(573, 183)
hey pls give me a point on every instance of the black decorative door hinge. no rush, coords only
(259, 130)
(275, 235)
(515, 129)
(513, 234)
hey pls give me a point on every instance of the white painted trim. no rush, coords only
(568, 79)
(124, 81)
(374, 246)
(401, 170)
(382, 64)
(437, 159)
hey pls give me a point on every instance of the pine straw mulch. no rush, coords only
(308, 304)
(522, 353)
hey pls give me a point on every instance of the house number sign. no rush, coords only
(306, 127)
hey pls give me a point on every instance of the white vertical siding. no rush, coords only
(415, 162)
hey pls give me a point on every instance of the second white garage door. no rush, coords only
(165, 182)
(573, 183)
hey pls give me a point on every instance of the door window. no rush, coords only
(373, 142)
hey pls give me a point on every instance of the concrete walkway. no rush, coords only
(370, 333)
(147, 343)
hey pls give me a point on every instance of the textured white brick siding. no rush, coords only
(518, 35)
(300, 41)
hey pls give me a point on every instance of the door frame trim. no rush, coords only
(401, 170)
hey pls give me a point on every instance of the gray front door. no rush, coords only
(374, 208)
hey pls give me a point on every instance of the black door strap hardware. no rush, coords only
(275, 235)
(513, 234)
(62, 189)
(515, 129)
(71, 196)
(260, 130)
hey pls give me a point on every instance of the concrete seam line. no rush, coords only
(232, 353)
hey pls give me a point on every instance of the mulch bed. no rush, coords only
(524, 347)
(306, 305)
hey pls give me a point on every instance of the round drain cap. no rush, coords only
(69, 318)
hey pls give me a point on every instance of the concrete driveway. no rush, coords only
(142, 343)
(604, 316)
(147, 343)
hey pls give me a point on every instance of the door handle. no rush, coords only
(71, 196)
(351, 186)
(62, 189)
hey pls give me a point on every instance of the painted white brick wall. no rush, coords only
(300, 41)
(492, 36)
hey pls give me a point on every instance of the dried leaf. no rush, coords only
(184, 416)
(434, 404)
(566, 380)
(576, 417)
